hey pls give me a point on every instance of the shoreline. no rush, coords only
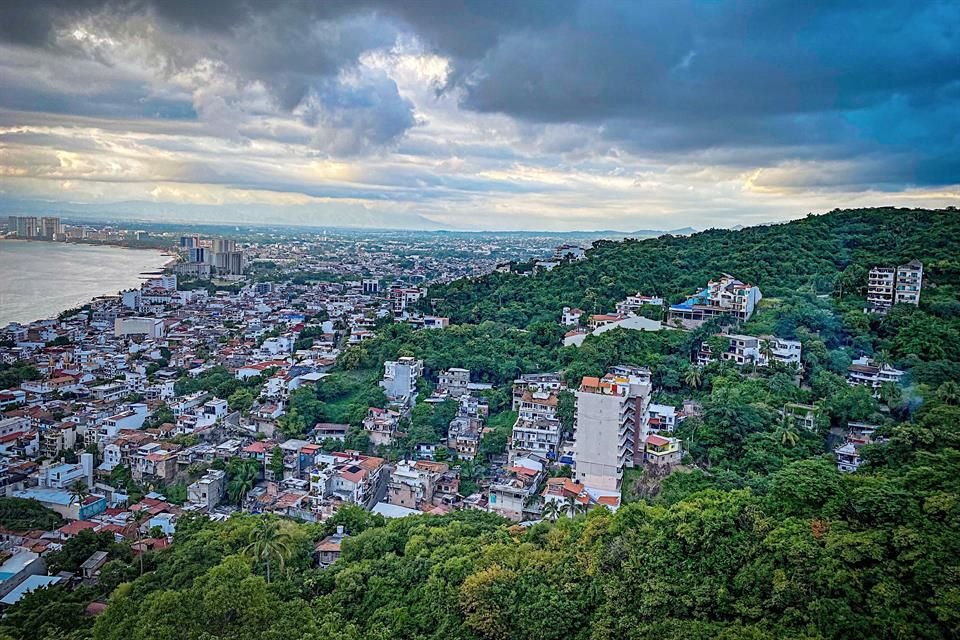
(135, 272)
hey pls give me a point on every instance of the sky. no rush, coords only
(478, 114)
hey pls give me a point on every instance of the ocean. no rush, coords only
(41, 279)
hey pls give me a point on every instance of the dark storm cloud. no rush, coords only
(781, 80)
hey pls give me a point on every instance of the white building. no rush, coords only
(400, 380)
(865, 372)
(887, 286)
(724, 297)
(609, 410)
(136, 326)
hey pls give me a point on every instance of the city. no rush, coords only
(479, 320)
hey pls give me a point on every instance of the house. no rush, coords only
(634, 303)
(726, 296)
(660, 451)
(803, 415)
(90, 569)
(661, 417)
(208, 491)
(509, 495)
(454, 382)
(327, 550)
(382, 426)
(571, 317)
(868, 373)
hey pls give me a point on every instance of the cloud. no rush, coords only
(554, 114)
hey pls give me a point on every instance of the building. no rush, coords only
(724, 297)
(208, 491)
(400, 380)
(802, 415)
(537, 430)
(381, 425)
(200, 255)
(137, 326)
(632, 304)
(609, 418)
(454, 382)
(744, 350)
(403, 297)
(868, 373)
(887, 286)
(662, 452)
(230, 263)
(661, 417)
(534, 382)
(327, 550)
(370, 286)
(510, 495)
(571, 317)
(466, 428)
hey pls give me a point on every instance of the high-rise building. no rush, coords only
(610, 426)
(25, 226)
(189, 242)
(370, 286)
(224, 245)
(50, 227)
(199, 254)
(230, 262)
(887, 286)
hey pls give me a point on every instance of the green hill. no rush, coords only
(759, 537)
(798, 256)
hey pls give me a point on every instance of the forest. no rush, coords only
(757, 537)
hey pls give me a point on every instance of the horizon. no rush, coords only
(542, 117)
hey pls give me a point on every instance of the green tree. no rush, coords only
(269, 544)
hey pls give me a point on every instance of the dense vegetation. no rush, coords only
(758, 536)
(17, 514)
(802, 256)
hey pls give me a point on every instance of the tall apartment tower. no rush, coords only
(50, 227)
(909, 283)
(609, 422)
(224, 245)
(887, 286)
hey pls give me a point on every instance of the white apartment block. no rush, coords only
(887, 286)
(400, 380)
(726, 296)
(865, 372)
(608, 412)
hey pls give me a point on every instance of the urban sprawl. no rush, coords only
(187, 395)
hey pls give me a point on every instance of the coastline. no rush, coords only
(41, 287)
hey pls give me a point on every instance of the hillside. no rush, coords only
(759, 537)
(803, 255)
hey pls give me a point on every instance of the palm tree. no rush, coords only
(79, 492)
(571, 507)
(949, 392)
(551, 510)
(787, 432)
(766, 350)
(693, 377)
(268, 543)
(882, 358)
(242, 481)
(138, 518)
